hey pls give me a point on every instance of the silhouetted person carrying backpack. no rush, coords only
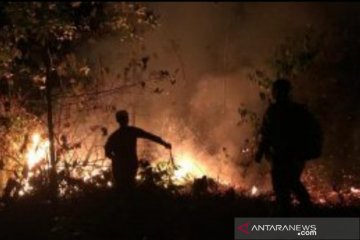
(290, 136)
(122, 150)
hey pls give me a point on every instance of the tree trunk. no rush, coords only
(53, 186)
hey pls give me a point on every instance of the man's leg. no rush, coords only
(124, 174)
(281, 188)
(297, 186)
(127, 181)
(131, 179)
(117, 180)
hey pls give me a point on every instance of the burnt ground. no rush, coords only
(151, 215)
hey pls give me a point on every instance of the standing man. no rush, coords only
(122, 150)
(290, 136)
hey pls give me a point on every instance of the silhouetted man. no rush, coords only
(289, 137)
(121, 149)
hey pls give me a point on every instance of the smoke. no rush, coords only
(212, 47)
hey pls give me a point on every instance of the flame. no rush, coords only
(189, 162)
(186, 167)
(355, 190)
(38, 150)
(254, 190)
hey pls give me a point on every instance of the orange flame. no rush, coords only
(38, 150)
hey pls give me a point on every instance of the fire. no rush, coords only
(189, 164)
(355, 190)
(38, 150)
(254, 190)
(186, 167)
(186, 164)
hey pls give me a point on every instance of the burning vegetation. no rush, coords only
(180, 173)
(83, 93)
(197, 74)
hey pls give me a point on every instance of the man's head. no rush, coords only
(281, 89)
(122, 117)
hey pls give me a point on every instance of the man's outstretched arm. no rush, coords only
(143, 134)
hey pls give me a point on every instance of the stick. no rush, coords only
(172, 162)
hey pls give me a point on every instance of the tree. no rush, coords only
(38, 42)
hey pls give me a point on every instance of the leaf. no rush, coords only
(262, 96)
(158, 90)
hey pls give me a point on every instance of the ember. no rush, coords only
(355, 190)
(254, 190)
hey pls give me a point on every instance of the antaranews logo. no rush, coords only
(299, 229)
(244, 228)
